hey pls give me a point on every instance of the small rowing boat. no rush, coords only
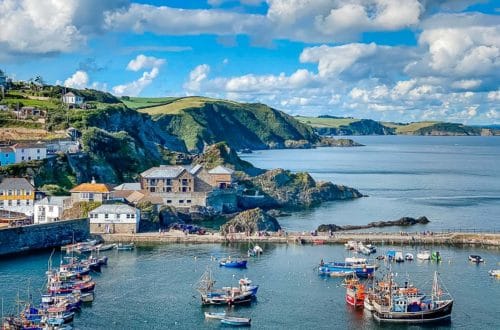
(125, 247)
(236, 321)
(107, 247)
(229, 263)
(215, 316)
(494, 273)
(475, 258)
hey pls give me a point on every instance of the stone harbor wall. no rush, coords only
(42, 236)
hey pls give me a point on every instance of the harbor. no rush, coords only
(490, 239)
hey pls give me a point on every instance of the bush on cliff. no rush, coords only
(250, 222)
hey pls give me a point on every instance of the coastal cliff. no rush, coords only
(250, 222)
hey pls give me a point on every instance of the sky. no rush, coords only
(391, 60)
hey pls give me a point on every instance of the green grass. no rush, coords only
(176, 105)
(325, 122)
(30, 103)
(146, 102)
(410, 127)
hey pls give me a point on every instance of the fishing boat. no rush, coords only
(351, 245)
(236, 321)
(475, 258)
(255, 251)
(244, 293)
(408, 256)
(436, 256)
(230, 263)
(355, 293)
(407, 305)
(494, 272)
(424, 255)
(106, 247)
(359, 266)
(398, 256)
(125, 247)
(215, 315)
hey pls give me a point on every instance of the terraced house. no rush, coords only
(17, 195)
(26, 152)
(91, 192)
(186, 186)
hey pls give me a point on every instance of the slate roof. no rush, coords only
(114, 209)
(221, 170)
(53, 200)
(129, 186)
(16, 183)
(163, 171)
(28, 145)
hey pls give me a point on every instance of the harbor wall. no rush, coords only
(459, 239)
(42, 236)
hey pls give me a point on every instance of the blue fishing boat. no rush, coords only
(215, 315)
(229, 263)
(244, 293)
(359, 266)
(236, 321)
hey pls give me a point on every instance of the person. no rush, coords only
(321, 263)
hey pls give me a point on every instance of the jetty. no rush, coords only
(386, 238)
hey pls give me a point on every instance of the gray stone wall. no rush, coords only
(41, 236)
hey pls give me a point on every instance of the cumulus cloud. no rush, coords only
(141, 62)
(145, 62)
(79, 80)
(196, 77)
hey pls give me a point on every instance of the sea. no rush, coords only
(454, 181)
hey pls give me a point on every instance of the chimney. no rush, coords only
(93, 180)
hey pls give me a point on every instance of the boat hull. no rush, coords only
(437, 315)
(234, 264)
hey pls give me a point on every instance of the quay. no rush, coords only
(387, 238)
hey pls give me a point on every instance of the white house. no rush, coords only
(71, 98)
(50, 208)
(114, 218)
(30, 151)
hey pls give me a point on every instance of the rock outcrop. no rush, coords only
(281, 188)
(251, 221)
(331, 142)
(403, 222)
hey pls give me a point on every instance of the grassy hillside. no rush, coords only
(326, 122)
(137, 103)
(200, 121)
(409, 128)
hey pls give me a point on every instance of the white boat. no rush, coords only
(424, 255)
(475, 258)
(409, 256)
(215, 316)
(494, 273)
(107, 247)
(351, 245)
(398, 257)
(236, 321)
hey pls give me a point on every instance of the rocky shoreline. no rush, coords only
(402, 222)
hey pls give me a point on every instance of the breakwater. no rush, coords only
(451, 238)
(42, 236)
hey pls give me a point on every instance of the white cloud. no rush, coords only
(141, 62)
(145, 62)
(79, 80)
(334, 60)
(466, 83)
(196, 77)
(494, 95)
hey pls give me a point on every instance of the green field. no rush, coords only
(410, 127)
(176, 105)
(146, 102)
(325, 122)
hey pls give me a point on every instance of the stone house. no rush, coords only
(185, 186)
(26, 152)
(50, 208)
(114, 218)
(27, 112)
(17, 195)
(91, 192)
(7, 156)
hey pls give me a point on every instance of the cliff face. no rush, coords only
(360, 127)
(253, 126)
(285, 189)
(250, 222)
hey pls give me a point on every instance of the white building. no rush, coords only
(71, 98)
(30, 151)
(17, 195)
(50, 208)
(114, 218)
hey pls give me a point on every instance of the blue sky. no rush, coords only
(394, 60)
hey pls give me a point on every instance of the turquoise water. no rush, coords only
(153, 288)
(454, 181)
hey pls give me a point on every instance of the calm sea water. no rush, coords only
(153, 288)
(454, 181)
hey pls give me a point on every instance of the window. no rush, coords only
(18, 202)
(169, 189)
(132, 216)
(37, 157)
(10, 202)
(9, 192)
(28, 193)
(29, 158)
(37, 151)
(128, 216)
(169, 182)
(151, 189)
(181, 201)
(51, 208)
(188, 201)
(28, 202)
(22, 158)
(169, 201)
(184, 189)
(106, 216)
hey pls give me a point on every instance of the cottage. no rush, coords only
(65, 146)
(30, 112)
(91, 192)
(114, 218)
(7, 156)
(26, 152)
(18, 195)
(71, 99)
(50, 208)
